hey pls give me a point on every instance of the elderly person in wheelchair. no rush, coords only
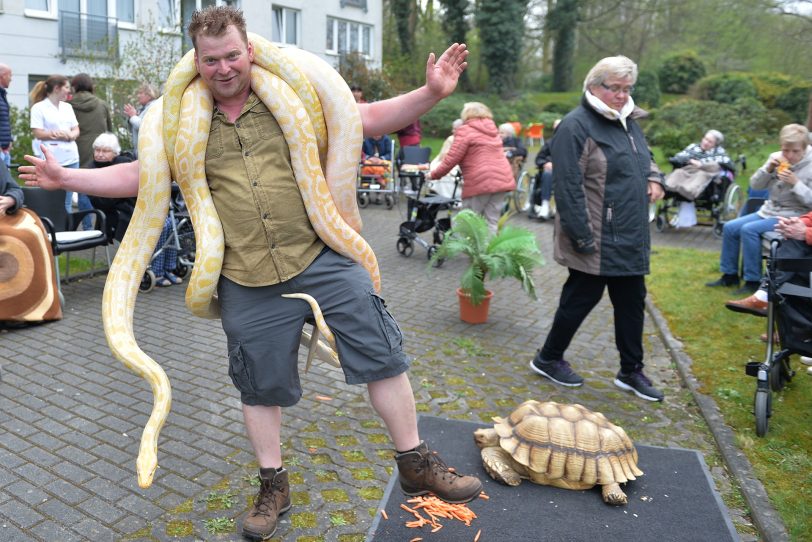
(695, 167)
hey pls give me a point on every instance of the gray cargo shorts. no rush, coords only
(263, 330)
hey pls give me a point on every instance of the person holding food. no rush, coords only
(787, 174)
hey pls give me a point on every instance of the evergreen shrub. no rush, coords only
(678, 72)
(647, 89)
(795, 102)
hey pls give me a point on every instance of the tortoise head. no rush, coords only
(486, 437)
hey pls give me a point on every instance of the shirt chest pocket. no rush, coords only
(266, 126)
(214, 147)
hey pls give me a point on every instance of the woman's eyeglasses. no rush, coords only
(617, 89)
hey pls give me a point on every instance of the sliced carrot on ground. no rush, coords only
(476, 538)
(324, 398)
(383, 514)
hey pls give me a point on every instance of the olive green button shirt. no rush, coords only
(268, 236)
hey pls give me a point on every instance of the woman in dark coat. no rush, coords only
(604, 179)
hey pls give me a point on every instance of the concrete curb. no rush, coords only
(765, 517)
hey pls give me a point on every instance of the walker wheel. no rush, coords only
(181, 270)
(405, 247)
(363, 200)
(430, 253)
(147, 282)
(389, 201)
(763, 411)
(659, 223)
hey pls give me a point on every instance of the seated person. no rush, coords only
(118, 211)
(543, 189)
(696, 166)
(788, 175)
(797, 243)
(377, 157)
(11, 195)
(514, 149)
(446, 186)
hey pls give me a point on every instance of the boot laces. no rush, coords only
(264, 502)
(438, 466)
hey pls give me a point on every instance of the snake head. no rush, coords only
(145, 466)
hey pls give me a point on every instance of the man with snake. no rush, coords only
(279, 235)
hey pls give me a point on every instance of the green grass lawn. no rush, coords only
(720, 342)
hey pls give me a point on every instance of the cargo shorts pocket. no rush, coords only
(389, 327)
(239, 370)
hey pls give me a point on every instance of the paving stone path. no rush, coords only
(71, 416)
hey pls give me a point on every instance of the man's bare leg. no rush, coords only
(393, 400)
(263, 425)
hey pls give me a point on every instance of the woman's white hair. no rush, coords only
(107, 140)
(508, 129)
(619, 66)
(717, 136)
(456, 124)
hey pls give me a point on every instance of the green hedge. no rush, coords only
(726, 87)
(647, 89)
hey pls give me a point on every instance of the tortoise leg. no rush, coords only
(498, 463)
(612, 494)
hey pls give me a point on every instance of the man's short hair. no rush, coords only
(215, 20)
(82, 82)
(794, 134)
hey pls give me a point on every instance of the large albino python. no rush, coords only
(322, 127)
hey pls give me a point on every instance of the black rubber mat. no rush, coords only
(674, 500)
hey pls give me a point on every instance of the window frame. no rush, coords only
(335, 49)
(284, 10)
(51, 13)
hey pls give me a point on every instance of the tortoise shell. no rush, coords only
(568, 441)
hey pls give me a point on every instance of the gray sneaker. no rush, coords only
(639, 383)
(558, 371)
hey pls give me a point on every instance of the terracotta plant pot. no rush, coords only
(474, 314)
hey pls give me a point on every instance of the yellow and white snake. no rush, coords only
(322, 127)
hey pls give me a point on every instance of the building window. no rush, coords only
(348, 37)
(40, 8)
(285, 25)
(125, 11)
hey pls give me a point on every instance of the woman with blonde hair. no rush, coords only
(55, 129)
(486, 172)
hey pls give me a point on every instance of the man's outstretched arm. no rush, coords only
(390, 115)
(118, 181)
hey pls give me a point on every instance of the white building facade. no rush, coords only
(43, 37)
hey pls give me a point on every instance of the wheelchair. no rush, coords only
(721, 200)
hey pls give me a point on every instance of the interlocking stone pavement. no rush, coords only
(71, 415)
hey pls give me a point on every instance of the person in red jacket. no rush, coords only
(486, 172)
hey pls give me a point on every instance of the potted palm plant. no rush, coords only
(510, 252)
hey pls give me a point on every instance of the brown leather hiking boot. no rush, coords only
(422, 471)
(272, 501)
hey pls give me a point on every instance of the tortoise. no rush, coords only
(561, 445)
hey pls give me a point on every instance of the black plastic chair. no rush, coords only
(62, 226)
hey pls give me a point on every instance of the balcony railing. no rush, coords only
(82, 35)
